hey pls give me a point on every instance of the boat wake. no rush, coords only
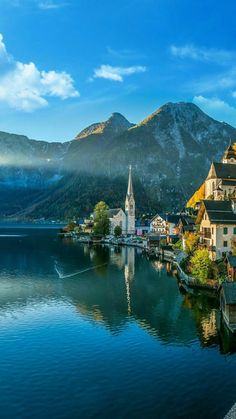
(12, 235)
(62, 276)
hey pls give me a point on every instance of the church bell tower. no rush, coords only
(130, 206)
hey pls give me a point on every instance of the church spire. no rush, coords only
(130, 191)
(130, 206)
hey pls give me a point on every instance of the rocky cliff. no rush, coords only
(170, 151)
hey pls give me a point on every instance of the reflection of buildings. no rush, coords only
(129, 283)
(129, 272)
(124, 258)
(208, 326)
(204, 310)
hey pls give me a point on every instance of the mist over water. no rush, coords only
(102, 332)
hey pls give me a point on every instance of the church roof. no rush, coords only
(113, 212)
(222, 171)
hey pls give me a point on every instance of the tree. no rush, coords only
(191, 241)
(201, 264)
(101, 221)
(178, 245)
(117, 231)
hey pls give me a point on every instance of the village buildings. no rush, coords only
(217, 212)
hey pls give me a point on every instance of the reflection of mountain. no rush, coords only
(128, 288)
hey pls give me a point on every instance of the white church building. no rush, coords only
(124, 219)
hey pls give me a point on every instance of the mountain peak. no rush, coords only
(178, 111)
(116, 124)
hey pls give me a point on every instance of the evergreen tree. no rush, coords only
(117, 231)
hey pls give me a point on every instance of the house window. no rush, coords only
(225, 230)
(234, 230)
(212, 230)
(225, 244)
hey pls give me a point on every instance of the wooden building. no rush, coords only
(228, 304)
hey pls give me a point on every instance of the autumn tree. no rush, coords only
(101, 220)
(201, 264)
(191, 241)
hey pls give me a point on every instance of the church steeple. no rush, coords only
(130, 206)
(130, 183)
(230, 155)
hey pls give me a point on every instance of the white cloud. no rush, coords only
(3, 52)
(219, 56)
(50, 5)
(25, 87)
(116, 73)
(217, 108)
(214, 82)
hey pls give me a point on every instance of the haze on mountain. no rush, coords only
(170, 152)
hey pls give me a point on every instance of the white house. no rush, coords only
(217, 220)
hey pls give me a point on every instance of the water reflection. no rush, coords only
(108, 286)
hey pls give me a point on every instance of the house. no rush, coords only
(228, 304)
(87, 226)
(231, 267)
(158, 224)
(217, 220)
(164, 224)
(142, 227)
(186, 224)
(153, 241)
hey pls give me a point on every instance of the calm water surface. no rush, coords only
(101, 333)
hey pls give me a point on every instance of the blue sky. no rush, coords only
(65, 64)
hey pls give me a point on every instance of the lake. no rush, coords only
(104, 333)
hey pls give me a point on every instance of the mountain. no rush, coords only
(170, 152)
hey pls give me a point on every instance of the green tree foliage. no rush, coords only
(117, 231)
(101, 222)
(218, 270)
(201, 265)
(178, 245)
(191, 242)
